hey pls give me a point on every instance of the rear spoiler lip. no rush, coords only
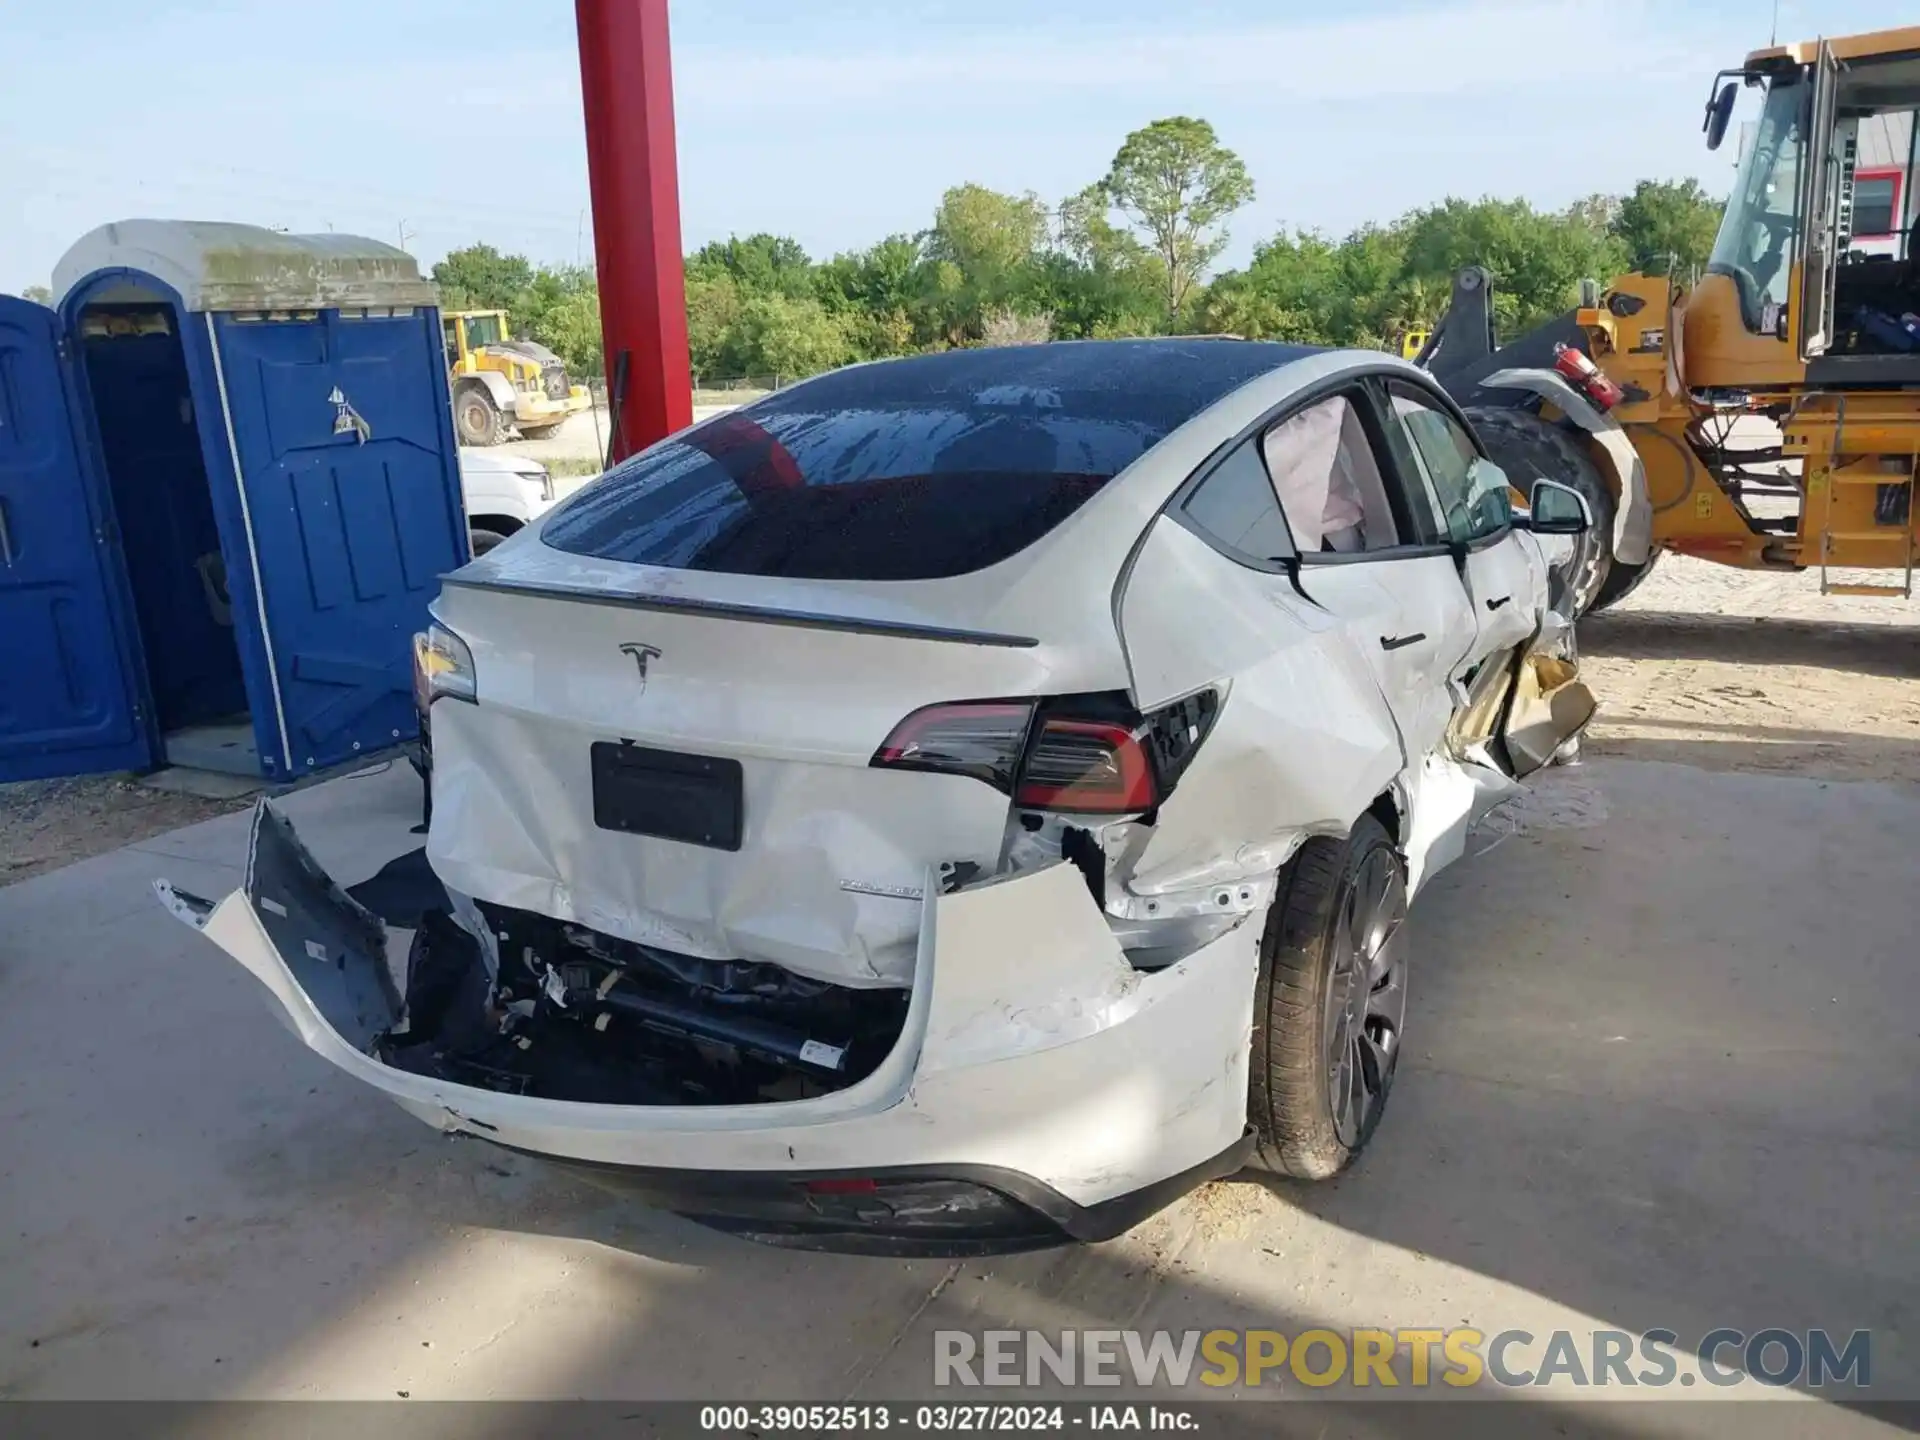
(754, 614)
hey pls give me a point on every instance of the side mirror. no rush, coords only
(1556, 509)
(1719, 112)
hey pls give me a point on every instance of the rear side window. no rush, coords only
(912, 469)
(1236, 506)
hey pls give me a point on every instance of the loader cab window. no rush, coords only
(1755, 247)
(483, 330)
(1876, 284)
(1876, 200)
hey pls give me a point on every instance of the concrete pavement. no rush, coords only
(1661, 1072)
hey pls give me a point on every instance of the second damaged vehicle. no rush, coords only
(955, 803)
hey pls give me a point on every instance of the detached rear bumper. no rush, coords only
(1041, 1091)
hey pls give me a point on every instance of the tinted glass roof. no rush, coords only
(1155, 384)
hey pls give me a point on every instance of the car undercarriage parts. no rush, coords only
(580, 1015)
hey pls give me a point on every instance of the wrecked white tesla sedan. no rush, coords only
(958, 802)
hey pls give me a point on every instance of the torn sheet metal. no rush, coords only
(1448, 796)
(1550, 706)
(1276, 766)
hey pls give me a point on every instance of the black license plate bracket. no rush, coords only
(695, 799)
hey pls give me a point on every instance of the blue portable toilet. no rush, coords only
(228, 486)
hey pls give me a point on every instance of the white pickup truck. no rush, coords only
(503, 492)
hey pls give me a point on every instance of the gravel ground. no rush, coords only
(1752, 670)
(45, 824)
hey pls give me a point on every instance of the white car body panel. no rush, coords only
(1410, 620)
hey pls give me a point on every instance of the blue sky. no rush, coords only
(840, 122)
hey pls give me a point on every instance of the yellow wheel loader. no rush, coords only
(500, 383)
(1808, 315)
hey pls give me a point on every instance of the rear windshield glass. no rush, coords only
(910, 470)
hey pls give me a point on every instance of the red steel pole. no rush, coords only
(626, 89)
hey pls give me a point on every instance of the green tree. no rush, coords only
(1667, 222)
(1098, 280)
(1537, 259)
(571, 329)
(1177, 182)
(713, 317)
(987, 234)
(762, 262)
(992, 243)
(39, 294)
(877, 278)
(790, 338)
(1293, 290)
(560, 308)
(479, 277)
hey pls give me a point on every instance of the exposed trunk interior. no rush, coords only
(156, 471)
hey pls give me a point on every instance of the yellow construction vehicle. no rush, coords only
(1410, 340)
(499, 382)
(1808, 316)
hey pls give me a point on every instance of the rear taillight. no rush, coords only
(1087, 766)
(1087, 754)
(442, 668)
(982, 740)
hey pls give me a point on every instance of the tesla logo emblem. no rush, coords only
(641, 655)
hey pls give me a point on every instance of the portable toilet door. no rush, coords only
(70, 678)
(261, 434)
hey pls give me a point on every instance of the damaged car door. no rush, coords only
(1514, 694)
(1441, 461)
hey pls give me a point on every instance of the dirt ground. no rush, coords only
(45, 824)
(1745, 670)
(1702, 665)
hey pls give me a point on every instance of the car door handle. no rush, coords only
(1496, 604)
(1400, 642)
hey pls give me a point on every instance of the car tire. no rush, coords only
(476, 418)
(481, 541)
(1329, 1003)
(1529, 448)
(537, 432)
(1622, 581)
